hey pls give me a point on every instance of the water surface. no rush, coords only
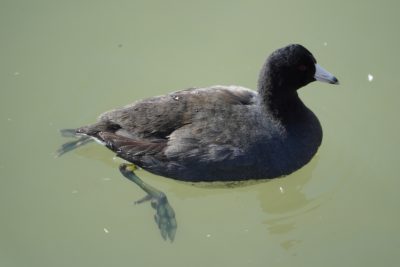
(63, 63)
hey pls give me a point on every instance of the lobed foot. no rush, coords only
(165, 215)
(71, 145)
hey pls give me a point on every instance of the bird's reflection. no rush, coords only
(282, 199)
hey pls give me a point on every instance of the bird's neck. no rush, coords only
(277, 97)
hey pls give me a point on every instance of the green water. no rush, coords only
(65, 62)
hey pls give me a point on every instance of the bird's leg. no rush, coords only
(165, 215)
(82, 140)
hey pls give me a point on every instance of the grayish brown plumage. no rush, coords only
(222, 133)
(219, 133)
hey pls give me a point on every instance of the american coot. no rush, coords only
(217, 133)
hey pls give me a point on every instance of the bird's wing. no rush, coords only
(158, 117)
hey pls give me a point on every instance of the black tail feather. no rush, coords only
(68, 132)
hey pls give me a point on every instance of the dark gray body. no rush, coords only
(218, 133)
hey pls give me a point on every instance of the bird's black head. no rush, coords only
(290, 68)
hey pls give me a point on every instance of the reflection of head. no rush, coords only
(285, 194)
(284, 199)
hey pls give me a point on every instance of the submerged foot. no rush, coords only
(71, 145)
(165, 215)
(66, 147)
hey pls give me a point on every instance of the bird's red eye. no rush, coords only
(302, 67)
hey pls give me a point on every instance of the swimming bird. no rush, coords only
(216, 133)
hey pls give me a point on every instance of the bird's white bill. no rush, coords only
(323, 75)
